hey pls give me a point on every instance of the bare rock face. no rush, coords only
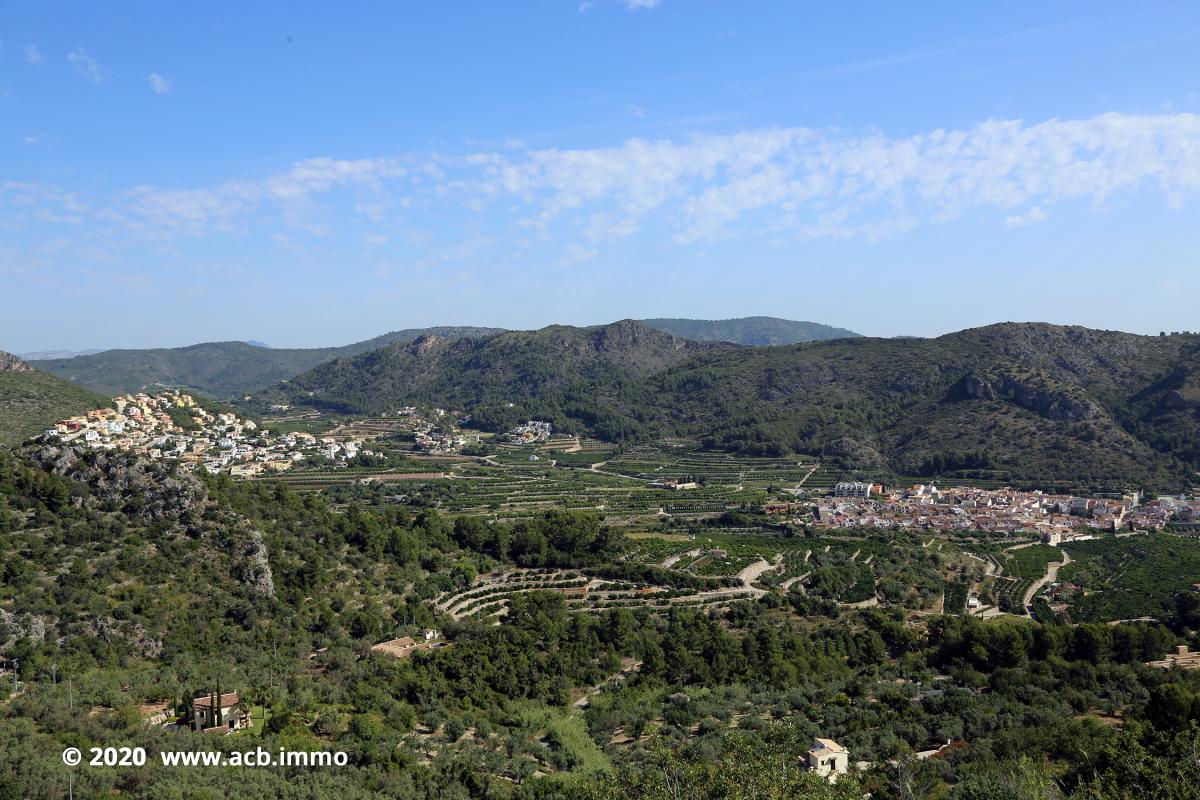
(143, 643)
(422, 346)
(14, 627)
(140, 487)
(1051, 402)
(10, 363)
(254, 569)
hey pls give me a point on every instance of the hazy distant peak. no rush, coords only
(754, 331)
(45, 355)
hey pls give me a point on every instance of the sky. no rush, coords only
(312, 174)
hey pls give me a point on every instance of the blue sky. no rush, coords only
(306, 175)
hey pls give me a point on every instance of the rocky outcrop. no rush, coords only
(140, 487)
(1038, 396)
(141, 641)
(14, 627)
(254, 568)
(10, 363)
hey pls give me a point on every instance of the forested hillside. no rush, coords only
(127, 584)
(217, 369)
(586, 377)
(30, 399)
(1017, 402)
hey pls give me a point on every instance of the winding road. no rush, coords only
(1051, 575)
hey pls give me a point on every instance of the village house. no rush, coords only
(673, 483)
(405, 646)
(225, 716)
(828, 759)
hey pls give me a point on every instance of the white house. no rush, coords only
(232, 714)
(828, 759)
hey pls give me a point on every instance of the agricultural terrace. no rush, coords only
(630, 489)
(713, 569)
(1127, 577)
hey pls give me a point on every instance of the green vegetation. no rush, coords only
(1130, 577)
(1022, 566)
(32, 401)
(217, 369)
(1036, 405)
(140, 583)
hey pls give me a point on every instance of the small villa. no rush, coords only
(828, 759)
(224, 714)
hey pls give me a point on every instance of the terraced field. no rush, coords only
(489, 595)
(1021, 566)
(1130, 577)
(657, 463)
(517, 481)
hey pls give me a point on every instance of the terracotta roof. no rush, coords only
(228, 699)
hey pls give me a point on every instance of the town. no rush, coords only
(172, 425)
(1056, 518)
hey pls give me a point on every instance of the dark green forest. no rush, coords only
(1029, 404)
(126, 583)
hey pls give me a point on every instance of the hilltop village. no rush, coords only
(171, 424)
(1058, 518)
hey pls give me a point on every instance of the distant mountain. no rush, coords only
(42, 355)
(551, 373)
(30, 399)
(1022, 402)
(1029, 403)
(218, 369)
(256, 343)
(753, 331)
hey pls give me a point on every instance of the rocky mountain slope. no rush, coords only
(229, 369)
(11, 363)
(218, 369)
(1009, 401)
(31, 399)
(502, 377)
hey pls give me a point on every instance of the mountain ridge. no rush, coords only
(31, 399)
(219, 369)
(754, 331)
(229, 368)
(1014, 400)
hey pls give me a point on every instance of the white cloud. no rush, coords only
(778, 184)
(1031, 217)
(806, 180)
(86, 66)
(194, 210)
(158, 83)
(584, 7)
(33, 55)
(634, 5)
